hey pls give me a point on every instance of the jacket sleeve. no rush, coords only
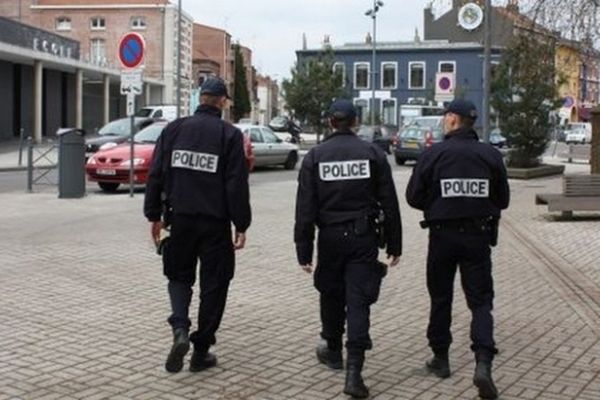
(155, 185)
(236, 184)
(306, 211)
(388, 199)
(502, 196)
(418, 188)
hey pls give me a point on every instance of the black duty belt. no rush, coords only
(471, 225)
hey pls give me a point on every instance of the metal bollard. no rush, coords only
(29, 164)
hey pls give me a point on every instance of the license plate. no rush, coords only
(410, 145)
(106, 172)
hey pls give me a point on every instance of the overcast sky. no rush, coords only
(273, 28)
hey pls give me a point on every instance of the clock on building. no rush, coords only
(470, 16)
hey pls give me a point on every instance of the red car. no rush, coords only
(110, 167)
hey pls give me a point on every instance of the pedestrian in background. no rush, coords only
(461, 186)
(200, 172)
(343, 185)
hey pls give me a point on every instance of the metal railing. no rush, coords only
(40, 163)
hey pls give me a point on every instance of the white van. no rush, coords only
(168, 112)
(578, 132)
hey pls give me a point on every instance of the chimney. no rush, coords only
(304, 43)
(417, 37)
(368, 38)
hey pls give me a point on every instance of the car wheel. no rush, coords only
(291, 161)
(108, 186)
(400, 161)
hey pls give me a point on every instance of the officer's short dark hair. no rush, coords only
(342, 124)
(209, 100)
(465, 122)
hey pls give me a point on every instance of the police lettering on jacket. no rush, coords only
(477, 188)
(344, 170)
(202, 162)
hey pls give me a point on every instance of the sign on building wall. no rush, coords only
(444, 86)
(28, 37)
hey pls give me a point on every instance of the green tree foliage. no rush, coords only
(524, 93)
(311, 89)
(241, 97)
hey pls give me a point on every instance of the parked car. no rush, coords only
(115, 132)
(497, 139)
(578, 132)
(380, 135)
(110, 168)
(414, 140)
(268, 149)
(168, 112)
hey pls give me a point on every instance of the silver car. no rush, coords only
(268, 149)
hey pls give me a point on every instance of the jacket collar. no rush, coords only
(210, 110)
(339, 133)
(462, 133)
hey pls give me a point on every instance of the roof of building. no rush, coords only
(401, 46)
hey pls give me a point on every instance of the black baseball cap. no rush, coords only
(462, 107)
(214, 87)
(342, 109)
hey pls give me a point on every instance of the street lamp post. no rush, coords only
(179, 23)
(487, 76)
(377, 4)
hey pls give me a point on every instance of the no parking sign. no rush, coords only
(131, 50)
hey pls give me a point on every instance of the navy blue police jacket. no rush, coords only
(343, 179)
(199, 167)
(459, 178)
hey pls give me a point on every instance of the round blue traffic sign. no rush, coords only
(131, 50)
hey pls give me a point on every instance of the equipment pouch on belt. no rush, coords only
(380, 229)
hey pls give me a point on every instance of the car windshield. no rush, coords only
(412, 134)
(366, 132)
(120, 127)
(278, 122)
(426, 122)
(149, 134)
(144, 112)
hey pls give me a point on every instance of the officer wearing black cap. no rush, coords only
(200, 172)
(461, 186)
(343, 184)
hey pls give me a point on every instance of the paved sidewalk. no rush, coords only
(45, 155)
(83, 308)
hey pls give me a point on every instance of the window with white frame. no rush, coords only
(362, 108)
(340, 69)
(98, 51)
(389, 75)
(97, 23)
(361, 75)
(138, 23)
(416, 75)
(447, 66)
(63, 24)
(390, 112)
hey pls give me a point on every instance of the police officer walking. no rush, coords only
(343, 184)
(200, 172)
(461, 185)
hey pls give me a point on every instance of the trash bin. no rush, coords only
(71, 163)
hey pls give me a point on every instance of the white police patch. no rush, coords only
(344, 170)
(477, 188)
(202, 162)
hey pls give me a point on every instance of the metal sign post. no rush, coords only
(131, 55)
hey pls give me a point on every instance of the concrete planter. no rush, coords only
(536, 172)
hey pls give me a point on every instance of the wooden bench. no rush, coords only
(578, 152)
(580, 193)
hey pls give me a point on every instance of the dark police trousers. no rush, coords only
(470, 250)
(195, 237)
(348, 279)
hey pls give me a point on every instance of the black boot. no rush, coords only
(181, 345)
(201, 360)
(483, 380)
(355, 385)
(332, 358)
(439, 365)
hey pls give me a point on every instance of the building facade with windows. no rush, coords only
(99, 25)
(407, 73)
